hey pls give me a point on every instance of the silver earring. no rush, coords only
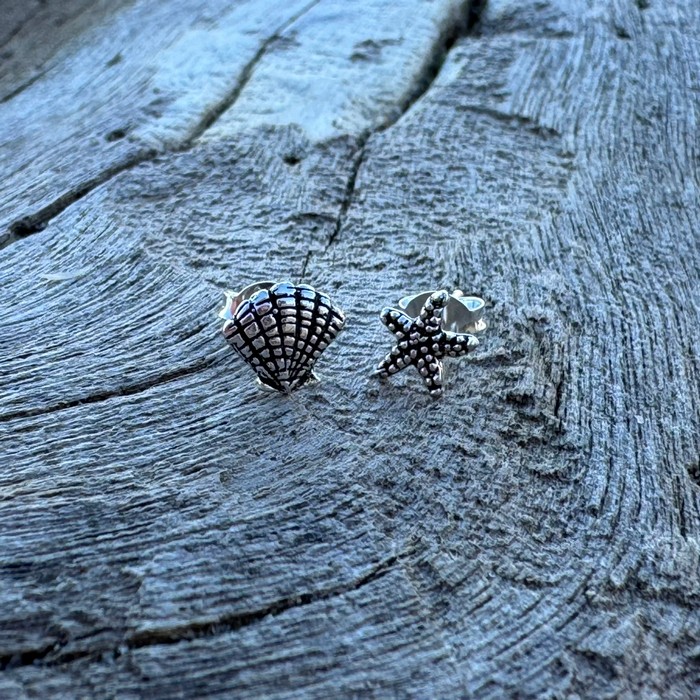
(429, 326)
(280, 329)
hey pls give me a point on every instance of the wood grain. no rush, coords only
(167, 530)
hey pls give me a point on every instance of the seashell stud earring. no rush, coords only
(429, 326)
(280, 329)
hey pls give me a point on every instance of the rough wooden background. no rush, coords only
(168, 531)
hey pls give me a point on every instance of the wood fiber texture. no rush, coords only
(169, 531)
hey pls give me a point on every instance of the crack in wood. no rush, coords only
(513, 118)
(305, 264)
(464, 21)
(476, 11)
(348, 194)
(193, 630)
(29, 656)
(693, 470)
(233, 622)
(128, 390)
(37, 222)
(21, 88)
(210, 119)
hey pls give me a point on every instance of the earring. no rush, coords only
(429, 326)
(280, 330)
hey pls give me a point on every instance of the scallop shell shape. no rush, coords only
(281, 332)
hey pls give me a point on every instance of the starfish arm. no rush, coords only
(396, 321)
(383, 368)
(456, 344)
(431, 313)
(432, 378)
(392, 363)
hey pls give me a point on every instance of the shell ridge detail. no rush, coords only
(305, 350)
(281, 331)
(275, 338)
(300, 344)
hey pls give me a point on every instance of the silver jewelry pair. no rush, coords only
(280, 329)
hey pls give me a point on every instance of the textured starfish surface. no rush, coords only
(423, 343)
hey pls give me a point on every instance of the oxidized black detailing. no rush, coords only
(423, 342)
(281, 332)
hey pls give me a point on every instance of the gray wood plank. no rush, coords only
(167, 530)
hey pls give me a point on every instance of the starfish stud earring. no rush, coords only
(428, 327)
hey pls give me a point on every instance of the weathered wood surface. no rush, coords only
(167, 531)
